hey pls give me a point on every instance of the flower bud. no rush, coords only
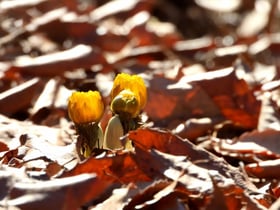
(125, 103)
(133, 83)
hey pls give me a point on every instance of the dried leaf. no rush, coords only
(171, 144)
(263, 144)
(220, 6)
(80, 56)
(184, 101)
(56, 194)
(19, 97)
(231, 197)
(3, 147)
(232, 95)
(265, 169)
(210, 130)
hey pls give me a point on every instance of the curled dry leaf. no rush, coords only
(220, 6)
(264, 145)
(231, 197)
(178, 101)
(219, 95)
(119, 7)
(58, 63)
(3, 147)
(265, 169)
(56, 194)
(275, 205)
(171, 144)
(185, 166)
(37, 148)
(231, 94)
(118, 198)
(19, 97)
(121, 168)
(147, 194)
(195, 127)
(269, 114)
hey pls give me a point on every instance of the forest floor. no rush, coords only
(210, 137)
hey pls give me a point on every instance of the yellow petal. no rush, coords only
(85, 107)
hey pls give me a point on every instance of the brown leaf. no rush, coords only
(14, 7)
(56, 194)
(195, 127)
(64, 155)
(218, 95)
(190, 48)
(275, 189)
(220, 200)
(12, 130)
(254, 22)
(263, 144)
(80, 56)
(268, 43)
(118, 7)
(147, 194)
(275, 205)
(178, 101)
(219, 6)
(5, 184)
(149, 31)
(7, 157)
(232, 95)
(168, 143)
(268, 169)
(143, 55)
(124, 168)
(223, 57)
(3, 147)
(40, 142)
(118, 198)
(53, 169)
(169, 201)
(50, 105)
(231, 197)
(19, 97)
(269, 113)
(267, 139)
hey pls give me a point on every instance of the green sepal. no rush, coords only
(90, 137)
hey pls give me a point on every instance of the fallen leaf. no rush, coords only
(264, 169)
(168, 143)
(19, 97)
(56, 194)
(263, 144)
(220, 6)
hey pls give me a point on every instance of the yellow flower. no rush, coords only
(135, 85)
(85, 107)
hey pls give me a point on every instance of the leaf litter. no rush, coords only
(210, 139)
